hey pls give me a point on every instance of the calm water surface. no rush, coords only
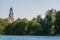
(29, 37)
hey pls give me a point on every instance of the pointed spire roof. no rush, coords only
(11, 8)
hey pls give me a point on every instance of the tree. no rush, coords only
(3, 24)
(18, 27)
(34, 28)
(57, 22)
(49, 21)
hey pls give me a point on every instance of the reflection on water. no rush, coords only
(29, 38)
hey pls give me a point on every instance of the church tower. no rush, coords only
(11, 17)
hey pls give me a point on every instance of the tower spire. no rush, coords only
(11, 17)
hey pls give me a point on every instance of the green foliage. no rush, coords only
(18, 27)
(50, 25)
(49, 20)
(3, 24)
(57, 22)
(34, 28)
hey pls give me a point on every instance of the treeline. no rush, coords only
(50, 25)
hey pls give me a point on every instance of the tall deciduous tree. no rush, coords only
(57, 22)
(49, 20)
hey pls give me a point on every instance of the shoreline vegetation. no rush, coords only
(49, 26)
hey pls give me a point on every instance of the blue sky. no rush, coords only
(27, 8)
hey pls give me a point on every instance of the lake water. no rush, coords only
(29, 37)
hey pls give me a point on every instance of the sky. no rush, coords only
(27, 8)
